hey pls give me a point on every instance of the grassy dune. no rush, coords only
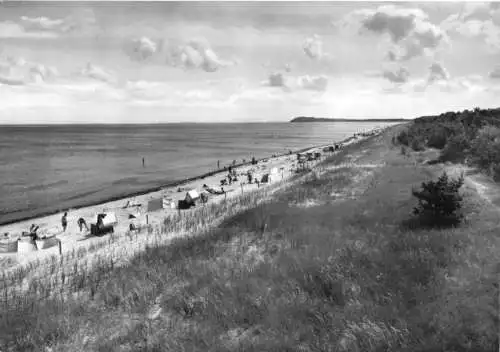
(324, 264)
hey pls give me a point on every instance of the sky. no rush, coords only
(145, 62)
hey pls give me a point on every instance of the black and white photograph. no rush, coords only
(261, 176)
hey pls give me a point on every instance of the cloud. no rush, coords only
(17, 71)
(437, 72)
(317, 83)
(439, 81)
(476, 20)
(97, 73)
(14, 30)
(11, 81)
(409, 30)
(313, 47)
(391, 56)
(306, 82)
(495, 73)
(277, 80)
(195, 54)
(399, 76)
(45, 27)
(141, 48)
(44, 24)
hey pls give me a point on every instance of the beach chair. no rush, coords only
(104, 224)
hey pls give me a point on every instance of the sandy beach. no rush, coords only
(279, 167)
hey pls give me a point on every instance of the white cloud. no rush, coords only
(14, 30)
(195, 54)
(140, 48)
(313, 47)
(44, 27)
(17, 71)
(97, 73)
(477, 20)
(44, 24)
(465, 84)
(317, 83)
(409, 30)
(437, 72)
(11, 81)
(400, 75)
(495, 73)
(391, 56)
(277, 80)
(307, 82)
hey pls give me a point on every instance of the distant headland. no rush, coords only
(324, 119)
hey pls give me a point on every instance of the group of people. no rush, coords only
(81, 223)
(254, 161)
(33, 231)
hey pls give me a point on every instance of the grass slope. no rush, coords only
(325, 266)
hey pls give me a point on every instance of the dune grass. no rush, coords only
(325, 265)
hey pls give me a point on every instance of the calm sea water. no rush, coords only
(46, 169)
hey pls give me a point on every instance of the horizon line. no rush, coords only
(186, 122)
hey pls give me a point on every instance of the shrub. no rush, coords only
(403, 138)
(485, 148)
(416, 145)
(456, 149)
(439, 202)
(437, 139)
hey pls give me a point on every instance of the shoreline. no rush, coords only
(172, 184)
(74, 239)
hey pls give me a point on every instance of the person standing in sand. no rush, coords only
(82, 223)
(64, 221)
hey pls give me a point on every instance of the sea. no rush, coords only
(46, 169)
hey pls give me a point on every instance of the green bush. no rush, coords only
(439, 202)
(403, 138)
(485, 148)
(456, 149)
(417, 145)
(437, 139)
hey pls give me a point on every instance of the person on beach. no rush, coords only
(143, 162)
(64, 221)
(81, 223)
(33, 230)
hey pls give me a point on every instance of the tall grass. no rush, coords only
(70, 272)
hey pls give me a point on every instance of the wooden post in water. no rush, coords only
(60, 247)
